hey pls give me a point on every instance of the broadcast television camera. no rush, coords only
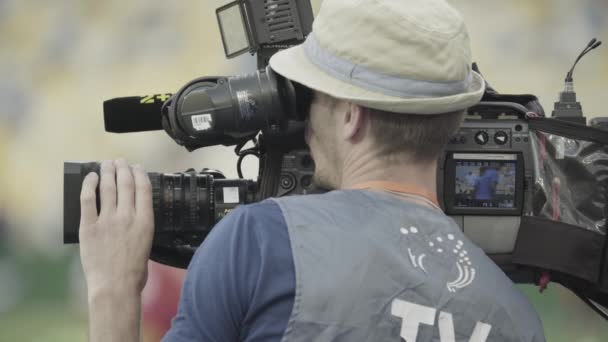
(529, 190)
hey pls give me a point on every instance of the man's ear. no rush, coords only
(354, 122)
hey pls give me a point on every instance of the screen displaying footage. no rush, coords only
(485, 183)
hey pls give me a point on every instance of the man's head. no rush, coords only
(392, 79)
(339, 132)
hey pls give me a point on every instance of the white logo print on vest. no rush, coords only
(448, 244)
(412, 315)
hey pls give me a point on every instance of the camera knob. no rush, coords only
(501, 138)
(481, 137)
(286, 181)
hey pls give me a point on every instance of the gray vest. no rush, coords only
(371, 266)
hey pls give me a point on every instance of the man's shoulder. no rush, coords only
(346, 197)
(268, 219)
(264, 207)
(260, 224)
(254, 212)
(253, 216)
(307, 197)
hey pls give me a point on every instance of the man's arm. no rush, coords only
(240, 283)
(114, 249)
(218, 283)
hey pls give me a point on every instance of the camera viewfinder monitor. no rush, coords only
(484, 183)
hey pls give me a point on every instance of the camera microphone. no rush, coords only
(594, 43)
(134, 113)
(567, 107)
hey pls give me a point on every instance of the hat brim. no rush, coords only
(294, 65)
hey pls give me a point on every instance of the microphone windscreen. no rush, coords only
(134, 113)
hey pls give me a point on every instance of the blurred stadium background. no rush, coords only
(60, 59)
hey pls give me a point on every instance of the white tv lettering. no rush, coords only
(413, 314)
(446, 329)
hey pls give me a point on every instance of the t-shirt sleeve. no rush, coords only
(244, 264)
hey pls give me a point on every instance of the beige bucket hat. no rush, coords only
(404, 56)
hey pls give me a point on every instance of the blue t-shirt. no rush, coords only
(486, 184)
(240, 284)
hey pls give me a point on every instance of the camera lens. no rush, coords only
(186, 204)
(182, 202)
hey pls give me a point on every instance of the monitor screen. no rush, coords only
(485, 181)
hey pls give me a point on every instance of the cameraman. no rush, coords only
(374, 260)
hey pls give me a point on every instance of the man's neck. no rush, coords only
(366, 168)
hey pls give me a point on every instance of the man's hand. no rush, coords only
(115, 247)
